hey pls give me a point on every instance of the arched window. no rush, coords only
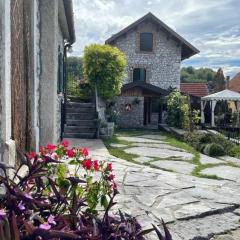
(139, 74)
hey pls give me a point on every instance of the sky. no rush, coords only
(212, 26)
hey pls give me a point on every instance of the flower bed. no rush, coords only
(59, 196)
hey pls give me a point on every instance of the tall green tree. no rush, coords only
(104, 69)
(219, 81)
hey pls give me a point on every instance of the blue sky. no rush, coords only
(213, 26)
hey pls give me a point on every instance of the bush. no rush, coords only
(177, 110)
(104, 68)
(50, 202)
(214, 150)
(235, 151)
(193, 139)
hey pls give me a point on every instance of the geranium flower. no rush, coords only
(2, 213)
(111, 177)
(84, 152)
(109, 167)
(87, 164)
(95, 165)
(31, 155)
(50, 147)
(21, 206)
(43, 150)
(51, 220)
(45, 226)
(65, 143)
(70, 153)
(54, 156)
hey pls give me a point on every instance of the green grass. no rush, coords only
(170, 140)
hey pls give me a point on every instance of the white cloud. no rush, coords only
(210, 25)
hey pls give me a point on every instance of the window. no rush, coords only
(139, 74)
(146, 42)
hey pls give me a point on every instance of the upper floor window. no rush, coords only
(146, 42)
(139, 74)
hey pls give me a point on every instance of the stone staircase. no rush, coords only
(80, 120)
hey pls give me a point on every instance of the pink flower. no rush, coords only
(109, 167)
(95, 165)
(70, 153)
(31, 155)
(45, 226)
(87, 164)
(51, 220)
(54, 156)
(65, 143)
(114, 186)
(84, 152)
(2, 213)
(50, 147)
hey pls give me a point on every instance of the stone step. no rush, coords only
(80, 110)
(79, 135)
(79, 129)
(81, 116)
(86, 123)
(80, 105)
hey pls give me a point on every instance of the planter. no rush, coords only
(107, 131)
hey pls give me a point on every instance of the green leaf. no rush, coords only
(104, 201)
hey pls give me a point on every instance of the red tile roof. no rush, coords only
(194, 89)
(234, 84)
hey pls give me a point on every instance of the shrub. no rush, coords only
(235, 151)
(50, 202)
(104, 68)
(177, 110)
(214, 149)
(193, 139)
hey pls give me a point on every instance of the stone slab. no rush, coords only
(226, 172)
(139, 140)
(160, 153)
(118, 145)
(142, 159)
(176, 166)
(157, 145)
(153, 136)
(231, 160)
(204, 159)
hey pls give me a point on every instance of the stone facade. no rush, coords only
(133, 117)
(162, 65)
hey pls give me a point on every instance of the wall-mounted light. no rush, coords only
(128, 107)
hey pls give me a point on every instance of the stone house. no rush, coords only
(34, 38)
(154, 53)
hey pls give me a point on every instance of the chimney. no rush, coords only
(227, 82)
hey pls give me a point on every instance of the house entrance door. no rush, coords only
(147, 110)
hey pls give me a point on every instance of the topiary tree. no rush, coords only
(178, 110)
(104, 69)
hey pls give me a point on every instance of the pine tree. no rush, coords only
(219, 81)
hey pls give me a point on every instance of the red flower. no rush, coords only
(31, 155)
(65, 143)
(114, 186)
(84, 152)
(87, 164)
(111, 177)
(109, 167)
(95, 165)
(50, 147)
(70, 153)
(43, 150)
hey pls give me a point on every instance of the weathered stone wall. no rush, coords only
(162, 65)
(132, 118)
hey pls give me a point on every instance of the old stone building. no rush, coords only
(34, 38)
(154, 53)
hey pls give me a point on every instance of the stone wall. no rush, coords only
(162, 65)
(132, 118)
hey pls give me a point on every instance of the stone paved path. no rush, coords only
(194, 208)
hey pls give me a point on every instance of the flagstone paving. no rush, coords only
(193, 207)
